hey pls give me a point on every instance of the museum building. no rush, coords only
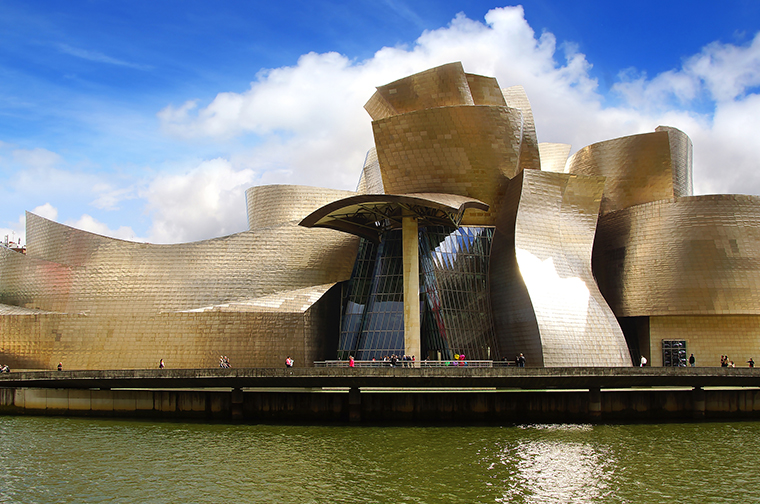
(465, 236)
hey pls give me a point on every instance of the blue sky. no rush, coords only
(148, 120)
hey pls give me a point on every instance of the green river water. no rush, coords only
(53, 460)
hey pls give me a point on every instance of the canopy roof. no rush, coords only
(369, 215)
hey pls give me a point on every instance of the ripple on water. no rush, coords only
(98, 460)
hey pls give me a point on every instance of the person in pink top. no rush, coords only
(351, 361)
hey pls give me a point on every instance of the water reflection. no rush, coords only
(87, 460)
(554, 470)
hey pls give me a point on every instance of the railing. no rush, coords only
(412, 364)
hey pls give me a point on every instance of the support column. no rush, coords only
(698, 402)
(236, 404)
(594, 402)
(354, 405)
(409, 233)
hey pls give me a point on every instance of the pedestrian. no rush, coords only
(521, 360)
(289, 362)
(350, 361)
(692, 360)
(751, 362)
(60, 366)
(643, 361)
(161, 364)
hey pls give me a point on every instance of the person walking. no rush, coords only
(161, 364)
(692, 360)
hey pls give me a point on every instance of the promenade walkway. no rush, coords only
(386, 377)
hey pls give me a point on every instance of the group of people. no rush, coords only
(4, 368)
(224, 361)
(289, 362)
(520, 361)
(726, 362)
(393, 360)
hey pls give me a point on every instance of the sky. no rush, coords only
(148, 120)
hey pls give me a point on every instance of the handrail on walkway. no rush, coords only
(412, 364)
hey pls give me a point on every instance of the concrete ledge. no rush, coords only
(381, 406)
(458, 377)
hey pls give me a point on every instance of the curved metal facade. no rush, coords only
(546, 302)
(697, 255)
(639, 168)
(445, 131)
(504, 249)
(272, 205)
(97, 302)
(468, 150)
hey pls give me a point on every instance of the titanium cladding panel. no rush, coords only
(256, 296)
(639, 168)
(696, 255)
(272, 205)
(468, 151)
(516, 97)
(554, 228)
(122, 277)
(442, 86)
(371, 180)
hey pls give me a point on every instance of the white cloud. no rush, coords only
(720, 72)
(207, 201)
(97, 57)
(36, 159)
(305, 124)
(17, 232)
(47, 211)
(309, 118)
(312, 128)
(88, 223)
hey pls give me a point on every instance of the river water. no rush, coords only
(57, 460)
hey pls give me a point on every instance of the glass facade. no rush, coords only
(455, 306)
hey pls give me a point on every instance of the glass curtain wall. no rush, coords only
(454, 281)
(455, 306)
(373, 313)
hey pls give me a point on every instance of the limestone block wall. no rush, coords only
(708, 337)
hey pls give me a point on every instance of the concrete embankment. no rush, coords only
(390, 395)
(390, 405)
